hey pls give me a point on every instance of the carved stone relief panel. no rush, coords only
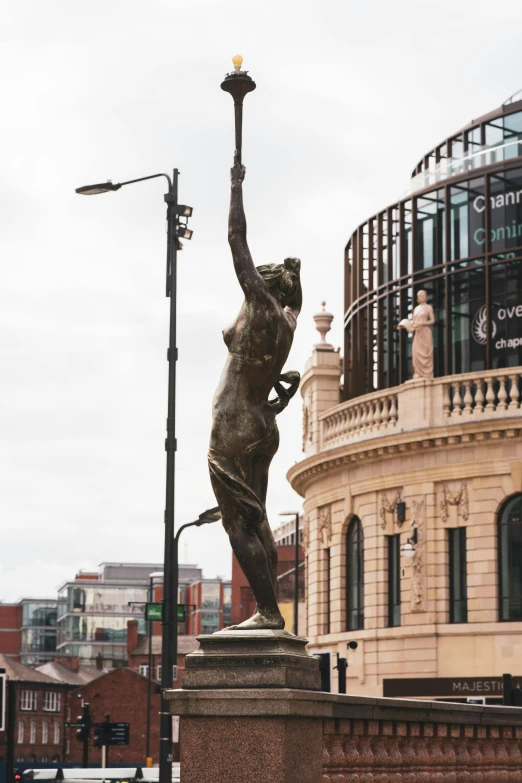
(388, 509)
(306, 535)
(307, 423)
(418, 562)
(325, 525)
(454, 499)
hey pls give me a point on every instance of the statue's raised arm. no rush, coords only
(249, 278)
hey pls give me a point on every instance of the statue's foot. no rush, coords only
(258, 621)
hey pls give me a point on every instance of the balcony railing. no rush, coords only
(469, 397)
(373, 415)
(451, 400)
(450, 167)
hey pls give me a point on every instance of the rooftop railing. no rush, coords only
(451, 167)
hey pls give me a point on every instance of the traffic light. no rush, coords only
(83, 733)
(17, 776)
(99, 736)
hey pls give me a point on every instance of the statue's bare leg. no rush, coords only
(259, 485)
(264, 616)
(254, 562)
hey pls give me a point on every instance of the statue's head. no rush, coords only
(282, 279)
(422, 297)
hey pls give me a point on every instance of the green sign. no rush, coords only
(154, 612)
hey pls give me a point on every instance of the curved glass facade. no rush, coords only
(459, 237)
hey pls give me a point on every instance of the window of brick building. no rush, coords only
(21, 728)
(52, 701)
(174, 672)
(144, 670)
(32, 732)
(56, 733)
(28, 700)
(45, 733)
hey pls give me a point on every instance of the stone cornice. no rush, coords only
(304, 473)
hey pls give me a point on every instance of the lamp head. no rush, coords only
(408, 550)
(93, 190)
(238, 61)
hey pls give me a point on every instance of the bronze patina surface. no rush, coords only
(244, 434)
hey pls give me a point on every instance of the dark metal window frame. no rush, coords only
(461, 601)
(501, 597)
(394, 581)
(355, 542)
(327, 567)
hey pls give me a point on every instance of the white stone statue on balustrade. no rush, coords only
(420, 327)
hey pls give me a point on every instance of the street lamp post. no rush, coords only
(210, 515)
(296, 515)
(155, 575)
(176, 229)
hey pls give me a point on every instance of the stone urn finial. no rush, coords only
(323, 324)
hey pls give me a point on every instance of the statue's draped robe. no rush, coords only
(422, 349)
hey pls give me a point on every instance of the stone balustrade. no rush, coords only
(421, 403)
(481, 394)
(373, 415)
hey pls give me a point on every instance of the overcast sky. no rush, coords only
(349, 97)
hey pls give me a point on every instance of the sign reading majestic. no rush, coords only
(457, 687)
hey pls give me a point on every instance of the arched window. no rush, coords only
(510, 559)
(45, 732)
(20, 732)
(355, 576)
(56, 734)
(32, 732)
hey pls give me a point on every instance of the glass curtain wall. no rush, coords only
(462, 243)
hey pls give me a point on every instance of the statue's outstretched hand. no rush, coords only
(237, 172)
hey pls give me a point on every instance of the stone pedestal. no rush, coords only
(246, 710)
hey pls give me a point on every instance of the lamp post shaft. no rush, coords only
(296, 583)
(238, 118)
(170, 572)
(149, 675)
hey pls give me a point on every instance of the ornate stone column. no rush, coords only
(319, 384)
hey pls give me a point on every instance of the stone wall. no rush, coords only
(406, 742)
(453, 464)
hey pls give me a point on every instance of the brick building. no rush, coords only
(122, 694)
(39, 716)
(138, 653)
(208, 605)
(10, 629)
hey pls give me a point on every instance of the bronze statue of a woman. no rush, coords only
(244, 434)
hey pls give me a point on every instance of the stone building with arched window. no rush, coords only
(412, 486)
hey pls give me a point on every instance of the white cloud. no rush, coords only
(349, 97)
